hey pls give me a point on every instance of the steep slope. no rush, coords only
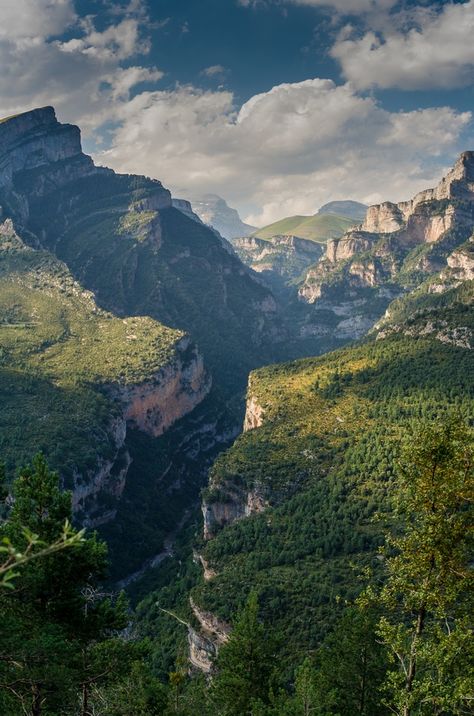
(319, 227)
(74, 378)
(394, 250)
(289, 509)
(214, 211)
(122, 238)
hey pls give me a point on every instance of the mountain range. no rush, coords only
(133, 323)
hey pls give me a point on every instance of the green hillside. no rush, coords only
(57, 349)
(319, 227)
(324, 459)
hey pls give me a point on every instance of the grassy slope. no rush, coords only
(319, 227)
(325, 455)
(56, 349)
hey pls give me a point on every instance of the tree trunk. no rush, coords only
(420, 622)
(363, 683)
(85, 700)
(36, 702)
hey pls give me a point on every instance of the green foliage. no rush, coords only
(324, 459)
(245, 664)
(58, 631)
(58, 351)
(428, 595)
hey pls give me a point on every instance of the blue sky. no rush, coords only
(277, 105)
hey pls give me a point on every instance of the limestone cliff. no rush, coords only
(395, 248)
(458, 184)
(204, 643)
(154, 405)
(280, 259)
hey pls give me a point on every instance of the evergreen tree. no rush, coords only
(54, 639)
(351, 668)
(245, 664)
(428, 598)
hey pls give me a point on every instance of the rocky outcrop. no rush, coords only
(214, 211)
(202, 651)
(396, 247)
(350, 244)
(156, 404)
(461, 262)
(185, 207)
(229, 504)
(204, 643)
(253, 414)
(458, 184)
(281, 259)
(207, 572)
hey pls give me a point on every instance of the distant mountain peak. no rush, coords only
(348, 208)
(214, 211)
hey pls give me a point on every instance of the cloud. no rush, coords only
(218, 71)
(287, 150)
(344, 7)
(86, 77)
(349, 7)
(425, 49)
(22, 19)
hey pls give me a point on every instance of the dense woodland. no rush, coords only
(402, 645)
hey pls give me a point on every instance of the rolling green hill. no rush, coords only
(319, 227)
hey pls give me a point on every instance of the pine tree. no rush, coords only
(428, 598)
(52, 634)
(245, 664)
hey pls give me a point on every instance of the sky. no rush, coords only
(276, 105)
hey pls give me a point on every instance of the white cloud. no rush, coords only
(83, 77)
(344, 7)
(435, 50)
(287, 150)
(35, 18)
(218, 71)
(349, 7)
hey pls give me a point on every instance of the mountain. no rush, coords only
(290, 507)
(394, 250)
(121, 238)
(319, 227)
(74, 378)
(283, 251)
(214, 211)
(351, 209)
(119, 312)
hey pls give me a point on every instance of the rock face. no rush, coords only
(280, 259)
(458, 184)
(253, 414)
(155, 405)
(36, 140)
(229, 501)
(214, 211)
(185, 207)
(395, 248)
(204, 644)
(106, 480)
